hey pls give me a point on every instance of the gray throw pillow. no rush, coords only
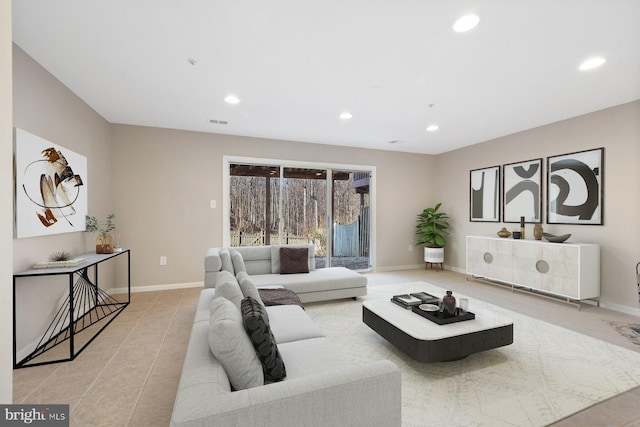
(256, 323)
(225, 257)
(248, 288)
(227, 287)
(232, 347)
(238, 262)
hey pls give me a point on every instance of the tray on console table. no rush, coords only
(441, 318)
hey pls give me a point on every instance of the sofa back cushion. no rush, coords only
(232, 347)
(257, 259)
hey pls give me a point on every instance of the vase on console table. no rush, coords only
(449, 303)
(537, 231)
(104, 243)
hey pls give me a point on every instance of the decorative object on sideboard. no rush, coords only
(449, 303)
(431, 229)
(556, 239)
(104, 239)
(516, 235)
(504, 232)
(537, 231)
(522, 227)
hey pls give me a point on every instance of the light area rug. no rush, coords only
(547, 374)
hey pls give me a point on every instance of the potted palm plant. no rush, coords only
(431, 229)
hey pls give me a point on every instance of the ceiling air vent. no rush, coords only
(218, 122)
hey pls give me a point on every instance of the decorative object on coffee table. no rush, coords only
(449, 302)
(104, 240)
(442, 317)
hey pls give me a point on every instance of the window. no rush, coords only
(329, 207)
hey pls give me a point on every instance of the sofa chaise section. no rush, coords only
(262, 264)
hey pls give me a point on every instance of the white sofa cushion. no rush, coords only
(227, 287)
(291, 323)
(311, 357)
(212, 260)
(322, 279)
(238, 262)
(248, 288)
(225, 258)
(232, 347)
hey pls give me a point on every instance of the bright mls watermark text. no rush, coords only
(34, 415)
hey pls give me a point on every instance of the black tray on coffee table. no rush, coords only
(442, 318)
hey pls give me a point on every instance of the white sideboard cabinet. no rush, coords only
(567, 270)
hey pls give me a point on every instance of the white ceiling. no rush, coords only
(396, 65)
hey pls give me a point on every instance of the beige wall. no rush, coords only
(6, 201)
(159, 182)
(45, 107)
(618, 130)
(164, 180)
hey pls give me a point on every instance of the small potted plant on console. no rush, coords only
(104, 240)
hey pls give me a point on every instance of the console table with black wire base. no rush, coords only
(86, 308)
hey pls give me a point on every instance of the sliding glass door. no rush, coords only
(277, 204)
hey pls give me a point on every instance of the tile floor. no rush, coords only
(129, 375)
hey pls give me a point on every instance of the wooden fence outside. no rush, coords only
(350, 240)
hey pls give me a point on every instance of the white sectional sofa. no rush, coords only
(321, 387)
(262, 263)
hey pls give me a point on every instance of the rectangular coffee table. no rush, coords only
(426, 341)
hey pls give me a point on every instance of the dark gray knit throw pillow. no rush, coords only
(256, 323)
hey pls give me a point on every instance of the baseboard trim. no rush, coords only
(620, 308)
(397, 267)
(153, 288)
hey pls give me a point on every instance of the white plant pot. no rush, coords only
(434, 255)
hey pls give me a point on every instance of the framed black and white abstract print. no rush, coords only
(522, 191)
(575, 187)
(484, 194)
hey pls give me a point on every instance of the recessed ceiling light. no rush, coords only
(466, 23)
(346, 115)
(231, 99)
(592, 63)
(432, 128)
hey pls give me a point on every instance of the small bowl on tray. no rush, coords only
(429, 307)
